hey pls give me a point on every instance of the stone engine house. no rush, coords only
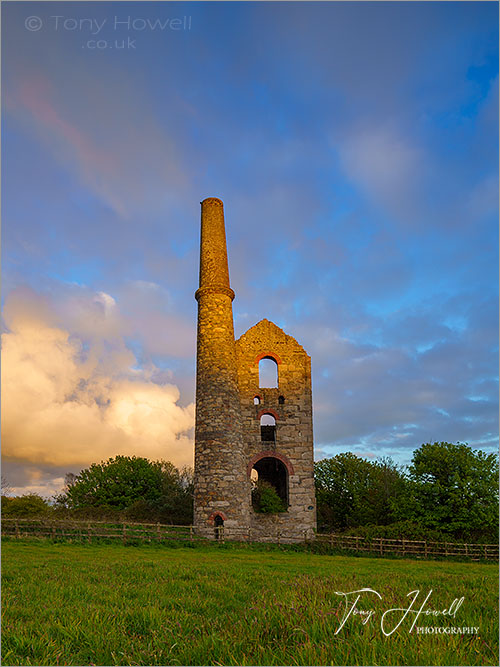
(253, 411)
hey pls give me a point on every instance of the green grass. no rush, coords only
(210, 605)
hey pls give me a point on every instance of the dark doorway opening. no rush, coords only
(273, 472)
(218, 527)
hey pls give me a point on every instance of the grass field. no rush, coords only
(67, 604)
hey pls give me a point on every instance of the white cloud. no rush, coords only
(383, 161)
(72, 399)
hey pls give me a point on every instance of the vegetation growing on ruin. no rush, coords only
(265, 499)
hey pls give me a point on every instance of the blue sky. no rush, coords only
(355, 146)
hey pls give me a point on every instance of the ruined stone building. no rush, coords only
(249, 424)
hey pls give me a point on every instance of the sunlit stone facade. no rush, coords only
(240, 425)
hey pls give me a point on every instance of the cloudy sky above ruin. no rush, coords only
(355, 146)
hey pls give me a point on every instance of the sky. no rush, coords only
(355, 147)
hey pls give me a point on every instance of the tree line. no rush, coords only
(448, 491)
(122, 488)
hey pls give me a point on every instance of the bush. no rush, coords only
(351, 491)
(129, 488)
(139, 511)
(265, 499)
(28, 505)
(411, 530)
(453, 489)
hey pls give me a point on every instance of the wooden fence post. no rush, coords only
(415, 549)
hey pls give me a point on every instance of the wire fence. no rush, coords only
(130, 532)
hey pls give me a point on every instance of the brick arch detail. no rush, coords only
(217, 513)
(273, 455)
(272, 355)
(267, 411)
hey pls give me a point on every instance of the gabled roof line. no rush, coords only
(265, 321)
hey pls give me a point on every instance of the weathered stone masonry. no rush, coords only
(230, 404)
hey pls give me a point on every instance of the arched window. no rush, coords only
(281, 400)
(268, 428)
(269, 471)
(268, 373)
(256, 400)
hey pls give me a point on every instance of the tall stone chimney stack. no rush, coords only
(222, 490)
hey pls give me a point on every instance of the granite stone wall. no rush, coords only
(221, 485)
(294, 430)
(228, 440)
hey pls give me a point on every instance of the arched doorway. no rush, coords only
(218, 527)
(269, 473)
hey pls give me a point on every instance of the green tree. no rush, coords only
(351, 491)
(452, 488)
(145, 490)
(387, 486)
(116, 483)
(175, 505)
(265, 499)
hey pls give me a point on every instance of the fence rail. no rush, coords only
(78, 530)
(87, 530)
(410, 548)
